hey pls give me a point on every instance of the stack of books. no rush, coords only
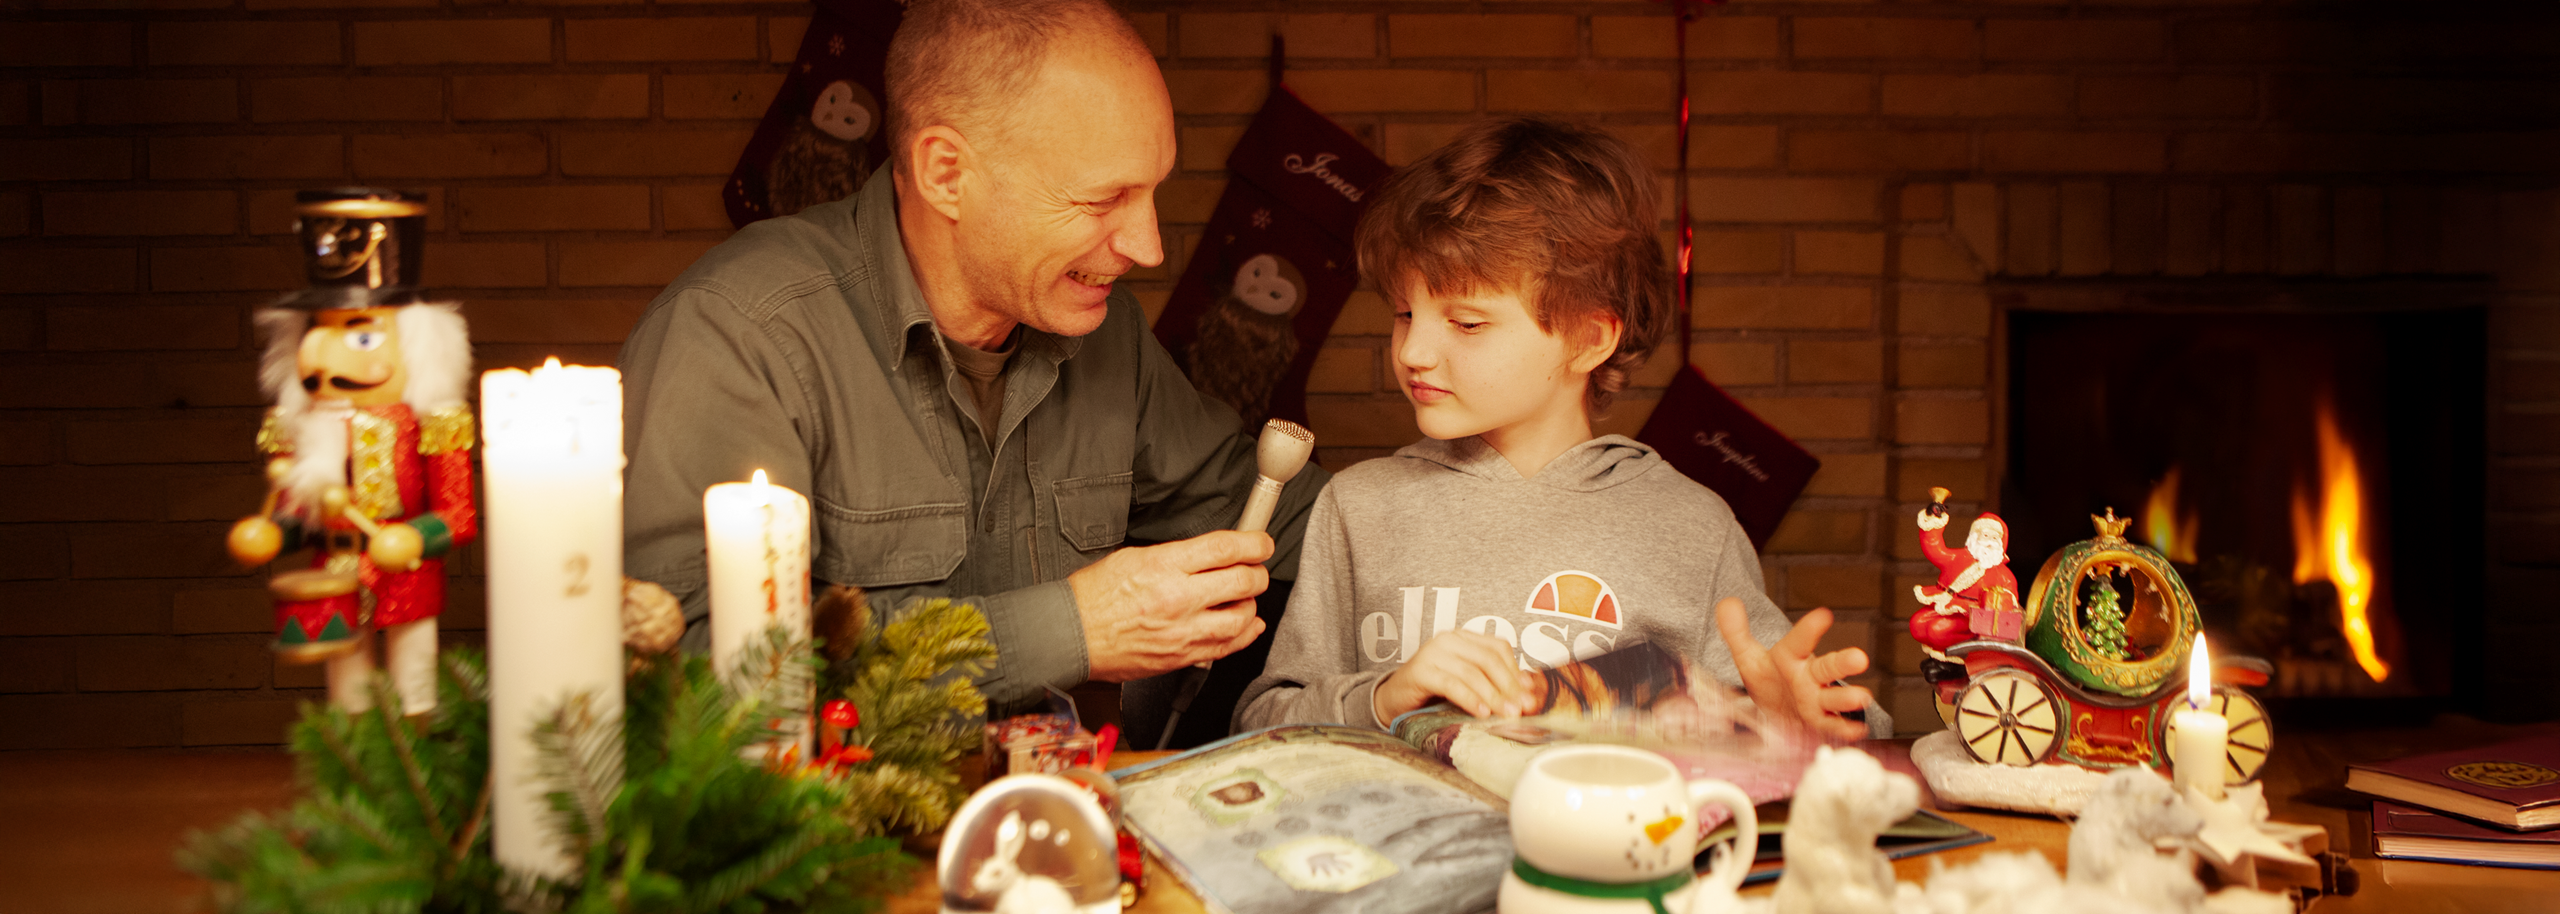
(2492, 806)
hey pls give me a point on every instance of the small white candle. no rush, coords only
(554, 525)
(757, 538)
(2198, 737)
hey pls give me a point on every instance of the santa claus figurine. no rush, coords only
(1976, 596)
(370, 449)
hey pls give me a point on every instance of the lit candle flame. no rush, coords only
(2199, 675)
(551, 363)
(764, 489)
(2328, 542)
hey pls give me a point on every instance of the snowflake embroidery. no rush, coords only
(1262, 218)
(835, 45)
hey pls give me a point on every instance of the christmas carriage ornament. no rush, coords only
(369, 446)
(2102, 663)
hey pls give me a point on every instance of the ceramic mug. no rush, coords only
(1619, 816)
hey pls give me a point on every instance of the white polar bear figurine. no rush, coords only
(1845, 800)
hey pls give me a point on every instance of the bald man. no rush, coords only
(942, 363)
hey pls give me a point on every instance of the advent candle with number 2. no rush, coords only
(2198, 735)
(553, 448)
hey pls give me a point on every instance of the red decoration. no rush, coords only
(1699, 429)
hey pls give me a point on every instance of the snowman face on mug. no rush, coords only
(1269, 285)
(845, 111)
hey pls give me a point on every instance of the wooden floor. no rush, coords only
(95, 831)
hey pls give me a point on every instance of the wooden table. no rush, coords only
(93, 831)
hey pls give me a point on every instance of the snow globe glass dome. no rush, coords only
(1030, 844)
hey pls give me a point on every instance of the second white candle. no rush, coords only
(757, 538)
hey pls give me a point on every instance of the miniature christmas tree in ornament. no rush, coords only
(2106, 621)
(370, 446)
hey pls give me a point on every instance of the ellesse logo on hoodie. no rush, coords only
(1583, 615)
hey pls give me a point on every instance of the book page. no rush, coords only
(1639, 695)
(1296, 820)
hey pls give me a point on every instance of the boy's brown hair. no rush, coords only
(1565, 214)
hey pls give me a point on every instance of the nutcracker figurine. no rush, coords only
(1976, 596)
(369, 447)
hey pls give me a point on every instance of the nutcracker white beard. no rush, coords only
(435, 346)
(319, 456)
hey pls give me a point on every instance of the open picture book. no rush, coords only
(1310, 818)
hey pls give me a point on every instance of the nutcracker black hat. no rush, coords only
(361, 247)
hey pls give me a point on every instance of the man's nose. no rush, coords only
(1137, 238)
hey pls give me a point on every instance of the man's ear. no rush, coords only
(940, 159)
(1597, 341)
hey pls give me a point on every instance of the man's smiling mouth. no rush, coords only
(1092, 279)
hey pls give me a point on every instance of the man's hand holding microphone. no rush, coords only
(1153, 609)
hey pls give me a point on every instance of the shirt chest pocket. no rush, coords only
(893, 546)
(1093, 511)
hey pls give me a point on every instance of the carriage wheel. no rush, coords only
(2252, 736)
(2007, 717)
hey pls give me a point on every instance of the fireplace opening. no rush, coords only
(2315, 475)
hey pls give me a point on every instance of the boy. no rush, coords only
(1527, 282)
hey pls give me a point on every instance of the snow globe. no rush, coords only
(1030, 844)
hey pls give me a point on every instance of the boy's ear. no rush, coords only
(1597, 342)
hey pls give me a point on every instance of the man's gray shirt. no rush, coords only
(803, 347)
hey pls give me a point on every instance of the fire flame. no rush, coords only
(2173, 535)
(2329, 543)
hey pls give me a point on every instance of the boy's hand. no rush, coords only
(1476, 672)
(1155, 609)
(1786, 679)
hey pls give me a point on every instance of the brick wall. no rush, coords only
(1869, 178)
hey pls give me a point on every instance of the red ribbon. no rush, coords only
(1681, 13)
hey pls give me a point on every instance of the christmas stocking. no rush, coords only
(822, 135)
(1275, 265)
(1705, 433)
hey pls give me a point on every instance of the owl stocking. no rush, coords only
(822, 136)
(1275, 265)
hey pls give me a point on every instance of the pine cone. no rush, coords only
(652, 620)
(839, 617)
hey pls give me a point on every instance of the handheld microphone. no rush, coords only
(1279, 456)
(1282, 452)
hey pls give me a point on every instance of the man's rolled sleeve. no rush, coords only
(1040, 640)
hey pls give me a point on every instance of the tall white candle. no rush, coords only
(2198, 737)
(554, 528)
(757, 537)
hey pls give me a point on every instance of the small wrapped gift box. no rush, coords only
(1037, 744)
(1998, 622)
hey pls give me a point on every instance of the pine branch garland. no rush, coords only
(384, 699)
(911, 680)
(667, 812)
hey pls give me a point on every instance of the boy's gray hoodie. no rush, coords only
(1606, 545)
